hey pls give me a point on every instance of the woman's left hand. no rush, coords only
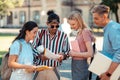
(31, 68)
(72, 53)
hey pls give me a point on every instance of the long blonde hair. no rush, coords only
(75, 15)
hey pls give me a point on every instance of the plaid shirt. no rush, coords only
(58, 44)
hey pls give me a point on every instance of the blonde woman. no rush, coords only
(85, 38)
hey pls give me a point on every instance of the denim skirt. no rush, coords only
(79, 69)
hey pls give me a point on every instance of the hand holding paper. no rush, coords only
(42, 67)
(40, 49)
(101, 63)
(51, 55)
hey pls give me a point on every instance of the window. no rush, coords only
(22, 17)
(36, 16)
(15, 15)
(10, 18)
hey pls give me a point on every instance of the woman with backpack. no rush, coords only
(21, 61)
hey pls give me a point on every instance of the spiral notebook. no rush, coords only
(101, 63)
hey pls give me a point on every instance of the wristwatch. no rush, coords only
(108, 74)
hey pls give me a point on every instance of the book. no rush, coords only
(51, 55)
(75, 46)
(42, 67)
(101, 63)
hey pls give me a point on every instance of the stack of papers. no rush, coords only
(101, 63)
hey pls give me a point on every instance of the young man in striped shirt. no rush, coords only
(57, 42)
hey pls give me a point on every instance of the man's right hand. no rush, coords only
(43, 58)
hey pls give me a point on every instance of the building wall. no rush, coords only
(35, 5)
(61, 7)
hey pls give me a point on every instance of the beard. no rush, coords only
(53, 32)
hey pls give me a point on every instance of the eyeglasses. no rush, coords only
(52, 26)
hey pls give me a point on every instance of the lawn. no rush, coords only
(5, 42)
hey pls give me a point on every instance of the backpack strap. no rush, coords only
(5, 69)
(20, 48)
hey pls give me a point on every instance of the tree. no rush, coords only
(5, 5)
(113, 4)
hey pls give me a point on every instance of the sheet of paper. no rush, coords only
(101, 63)
(75, 46)
(51, 55)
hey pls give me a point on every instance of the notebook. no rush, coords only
(42, 67)
(75, 46)
(101, 63)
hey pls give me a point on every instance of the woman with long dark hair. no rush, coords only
(21, 61)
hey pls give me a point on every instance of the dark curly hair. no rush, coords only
(52, 16)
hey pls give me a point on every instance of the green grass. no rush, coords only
(2, 53)
(5, 42)
(7, 34)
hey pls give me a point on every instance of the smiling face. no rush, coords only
(100, 19)
(76, 21)
(74, 25)
(100, 15)
(31, 34)
(53, 27)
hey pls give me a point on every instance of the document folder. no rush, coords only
(101, 63)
